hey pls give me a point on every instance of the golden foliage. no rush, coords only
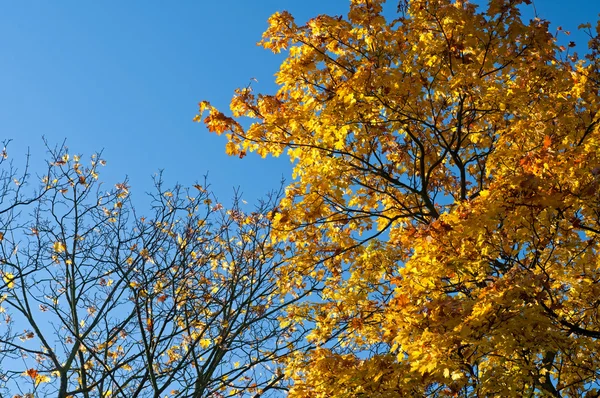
(445, 196)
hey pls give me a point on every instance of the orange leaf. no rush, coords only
(31, 373)
(547, 142)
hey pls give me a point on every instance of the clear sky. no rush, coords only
(126, 76)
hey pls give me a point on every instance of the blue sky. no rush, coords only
(125, 77)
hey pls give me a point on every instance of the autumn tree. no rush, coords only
(99, 300)
(445, 198)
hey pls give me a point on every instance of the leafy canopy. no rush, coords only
(445, 197)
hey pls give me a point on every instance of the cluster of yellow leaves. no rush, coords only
(59, 247)
(446, 198)
(82, 175)
(36, 376)
(9, 279)
(333, 375)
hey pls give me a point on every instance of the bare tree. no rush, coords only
(100, 301)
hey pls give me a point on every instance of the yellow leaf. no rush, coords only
(9, 279)
(205, 343)
(59, 247)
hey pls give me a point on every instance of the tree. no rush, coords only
(99, 301)
(447, 175)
